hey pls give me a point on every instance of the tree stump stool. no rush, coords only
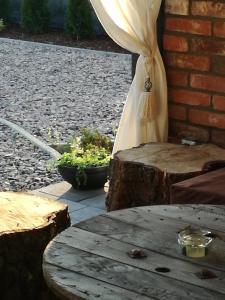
(27, 225)
(143, 175)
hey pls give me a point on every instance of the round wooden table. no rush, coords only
(91, 260)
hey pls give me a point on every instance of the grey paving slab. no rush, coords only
(72, 206)
(82, 205)
(63, 190)
(85, 213)
(98, 201)
(42, 194)
(56, 189)
(90, 193)
(74, 221)
(72, 196)
(60, 191)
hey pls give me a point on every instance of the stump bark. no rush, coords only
(143, 175)
(27, 225)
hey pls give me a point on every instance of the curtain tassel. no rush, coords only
(147, 110)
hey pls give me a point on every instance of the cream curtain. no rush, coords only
(132, 25)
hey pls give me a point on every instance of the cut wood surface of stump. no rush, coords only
(143, 175)
(28, 224)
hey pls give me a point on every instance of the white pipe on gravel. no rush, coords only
(43, 146)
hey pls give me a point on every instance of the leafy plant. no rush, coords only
(89, 137)
(91, 149)
(35, 15)
(2, 25)
(79, 19)
(5, 10)
(92, 157)
(52, 136)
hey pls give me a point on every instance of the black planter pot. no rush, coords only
(96, 177)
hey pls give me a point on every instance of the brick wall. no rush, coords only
(194, 55)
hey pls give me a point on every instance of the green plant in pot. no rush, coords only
(85, 165)
(55, 143)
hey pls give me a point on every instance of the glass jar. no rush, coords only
(195, 242)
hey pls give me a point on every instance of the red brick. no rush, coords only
(218, 137)
(208, 46)
(207, 82)
(181, 130)
(208, 8)
(177, 7)
(219, 29)
(219, 65)
(177, 112)
(189, 26)
(219, 103)
(175, 43)
(207, 118)
(176, 78)
(185, 61)
(189, 97)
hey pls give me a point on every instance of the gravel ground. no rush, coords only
(44, 86)
(58, 37)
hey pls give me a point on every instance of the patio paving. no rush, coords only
(82, 205)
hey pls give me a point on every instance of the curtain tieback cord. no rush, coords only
(147, 109)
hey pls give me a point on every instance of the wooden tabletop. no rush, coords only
(91, 261)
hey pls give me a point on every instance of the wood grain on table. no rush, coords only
(91, 261)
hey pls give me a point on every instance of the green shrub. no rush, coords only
(79, 19)
(5, 10)
(92, 157)
(94, 137)
(91, 149)
(2, 25)
(35, 16)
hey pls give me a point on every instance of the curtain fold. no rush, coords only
(132, 25)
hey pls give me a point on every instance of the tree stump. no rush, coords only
(143, 175)
(27, 225)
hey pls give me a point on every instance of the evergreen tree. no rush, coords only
(5, 10)
(79, 19)
(35, 16)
